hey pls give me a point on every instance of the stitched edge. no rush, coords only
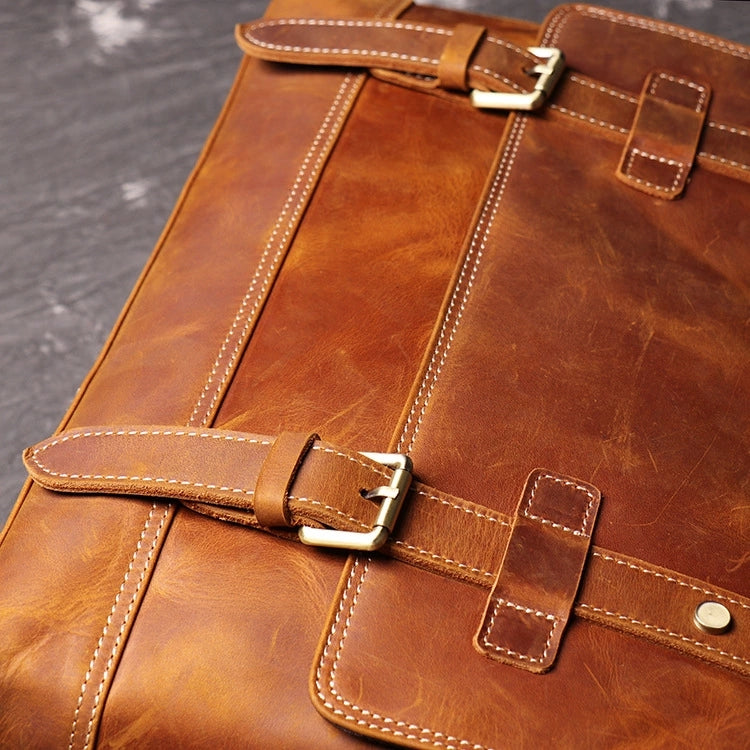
(680, 170)
(665, 631)
(558, 23)
(702, 91)
(377, 53)
(282, 230)
(469, 270)
(146, 479)
(729, 129)
(366, 718)
(596, 86)
(367, 23)
(123, 625)
(669, 579)
(588, 118)
(582, 531)
(310, 164)
(488, 630)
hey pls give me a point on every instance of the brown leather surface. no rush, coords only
(488, 303)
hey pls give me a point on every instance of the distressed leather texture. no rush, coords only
(546, 311)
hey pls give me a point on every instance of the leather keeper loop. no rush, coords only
(276, 477)
(454, 61)
(663, 141)
(534, 592)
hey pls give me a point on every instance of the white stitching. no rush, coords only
(665, 631)
(558, 23)
(729, 128)
(600, 87)
(498, 77)
(525, 610)
(587, 118)
(386, 54)
(470, 267)
(149, 480)
(464, 509)
(148, 432)
(366, 717)
(311, 164)
(526, 510)
(669, 579)
(722, 160)
(682, 82)
(661, 160)
(353, 459)
(447, 560)
(108, 622)
(309, 168)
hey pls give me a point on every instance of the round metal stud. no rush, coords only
(712, 617)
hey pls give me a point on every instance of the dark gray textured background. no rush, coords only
(104, 106)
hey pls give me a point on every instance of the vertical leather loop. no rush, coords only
(454, 61)
(663, 141)
(276, 476)
(533, 595)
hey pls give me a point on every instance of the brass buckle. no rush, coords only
(392, 496)
(549, 73)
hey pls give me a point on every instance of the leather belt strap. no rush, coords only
(423, 53)
(216, 472)
(389, 45)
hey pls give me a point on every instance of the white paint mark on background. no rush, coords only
(136, 192)
(111, 26)
(662, 7)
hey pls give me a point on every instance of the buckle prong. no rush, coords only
(549, 73)
(392, 498)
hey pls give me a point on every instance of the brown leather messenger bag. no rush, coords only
(427, 422)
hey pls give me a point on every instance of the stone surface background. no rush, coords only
(104, 106)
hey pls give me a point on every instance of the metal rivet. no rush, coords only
(712, 617)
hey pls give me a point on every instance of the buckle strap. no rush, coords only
(462, 57)
(216, 472)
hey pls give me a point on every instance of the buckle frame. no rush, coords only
(549, 73)
(392, 495)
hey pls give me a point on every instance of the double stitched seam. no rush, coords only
(282, 229)
(123, 625)
(666, 632)
(582, 531)
(35, 457)
(459, 299)
(350, 711)
(281, 233)
(678, 166)
(500, 602)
